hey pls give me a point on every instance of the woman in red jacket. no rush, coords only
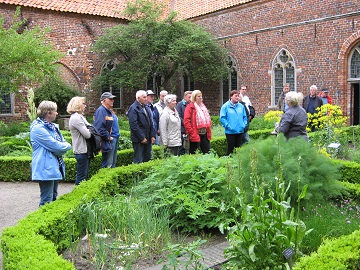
(197, 124)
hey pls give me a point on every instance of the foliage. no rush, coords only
(184, 257)
(31, 111)
(57, 91)
(120, 228)
(326, 116)
(273, 116)
(331, 219)
(267, 226)
(13, 128)
(27, 58)
(191, 187)
(148, 46)
(317, 171)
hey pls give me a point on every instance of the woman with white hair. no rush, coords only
(294, 121)
(48, 145)
(170, 126)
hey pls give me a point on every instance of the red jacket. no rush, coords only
(190, 124)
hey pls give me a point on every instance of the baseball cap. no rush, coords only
(106, 95)
(325, 90)
(149, 92)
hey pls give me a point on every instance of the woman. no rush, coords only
(294, 121)
(197, 124)
(170, 126)
(48, 147)
(233, 118)
(79, 134)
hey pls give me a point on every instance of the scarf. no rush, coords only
(202, 116)
(51, 126)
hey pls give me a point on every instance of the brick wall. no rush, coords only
(255, 32)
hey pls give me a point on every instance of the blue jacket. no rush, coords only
(141, 126)
(44, 164)
(233, 117)
(103, 121)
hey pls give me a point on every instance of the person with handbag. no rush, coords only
(198, 123)
(79, 133)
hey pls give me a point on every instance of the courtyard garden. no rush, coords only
(269, 197)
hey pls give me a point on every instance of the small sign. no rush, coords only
(288, 253)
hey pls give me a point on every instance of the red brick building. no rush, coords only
(270, 42)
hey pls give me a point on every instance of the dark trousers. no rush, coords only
(82, 167)
(204, 145)
(142, 152)
(234, 141)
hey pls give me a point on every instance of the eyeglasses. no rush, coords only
(84, 104)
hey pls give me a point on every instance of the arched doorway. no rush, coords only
(354, 80)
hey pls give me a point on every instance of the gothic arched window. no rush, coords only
(229, 83)
(283, 71)
(355, 63)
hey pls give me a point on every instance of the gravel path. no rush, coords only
(18, 199)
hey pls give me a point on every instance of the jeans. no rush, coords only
(142, 152)
(246, 137)
(182, 150)
(204, 145)
(106, 160)
(48, 191)
(82, 167)
(234, 141)
(113, 153)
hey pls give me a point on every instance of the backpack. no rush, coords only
(94, 142)
(252, 112)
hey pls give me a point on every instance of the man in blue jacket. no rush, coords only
(141, 128)
(103, 121)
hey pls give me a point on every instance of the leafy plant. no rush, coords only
(317, 171)
(267, 225)
(184, 257)
(191, 187)
(57, 91)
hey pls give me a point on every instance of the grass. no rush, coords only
(330, 220)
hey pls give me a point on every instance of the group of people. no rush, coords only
(295, 106)
(166, 123)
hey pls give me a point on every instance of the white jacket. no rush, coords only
(170, 128)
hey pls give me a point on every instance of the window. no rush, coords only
(6, 103)
(283, 71)
(355, 63)
(154, 83)
(118, 92)
(229, 83)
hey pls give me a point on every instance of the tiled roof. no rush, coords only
(106, 8)
(192, 8)
(113, 8)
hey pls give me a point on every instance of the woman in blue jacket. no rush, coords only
(48, 146)
(234, 119)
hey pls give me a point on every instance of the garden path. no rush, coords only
(18, 199)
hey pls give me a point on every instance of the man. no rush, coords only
(160, 105)
(245, 98)
(325, 97)
(103, 121)
(141, 128)
(150, 96)
(180, 107)
(282, 106)
(312, 101)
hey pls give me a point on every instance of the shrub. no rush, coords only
(318, 171)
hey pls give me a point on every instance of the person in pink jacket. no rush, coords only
(197, 124)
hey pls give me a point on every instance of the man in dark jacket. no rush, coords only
(180, 107)
(312, 101)
(141, 128)
(103, 121)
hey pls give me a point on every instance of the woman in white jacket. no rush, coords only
(170, 126)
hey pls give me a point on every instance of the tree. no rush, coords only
(148, 46)
(26, 57)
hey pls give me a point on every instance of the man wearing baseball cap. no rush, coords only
(325, 97)
(103, 121)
